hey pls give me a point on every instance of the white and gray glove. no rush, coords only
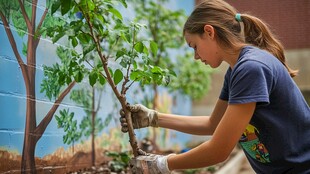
(141, 117)
(151, 164)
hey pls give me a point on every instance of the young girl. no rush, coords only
(260, 107)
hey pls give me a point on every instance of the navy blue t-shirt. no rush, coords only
(277, 140)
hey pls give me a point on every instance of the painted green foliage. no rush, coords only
(83, 97)
(17, 16)
(165, 27)
(65, 121)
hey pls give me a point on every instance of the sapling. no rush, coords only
(99, 27)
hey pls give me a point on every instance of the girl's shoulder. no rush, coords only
(253, 56)
(254, 53)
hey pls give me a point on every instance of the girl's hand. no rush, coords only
(151, 164)
(141, 117)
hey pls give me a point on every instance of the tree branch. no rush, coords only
(38, 35)
(34, 13)
(24, 13)
(48, 117)
(14, 47)
(95, 39)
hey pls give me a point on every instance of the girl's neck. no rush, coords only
(231, 57)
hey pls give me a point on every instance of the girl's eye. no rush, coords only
(195, 48)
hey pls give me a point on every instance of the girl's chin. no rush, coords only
(212, 65)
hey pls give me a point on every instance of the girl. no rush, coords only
(260, 107)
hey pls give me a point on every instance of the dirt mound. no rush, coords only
(80, 161)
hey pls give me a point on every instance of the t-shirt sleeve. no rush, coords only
(251, 81)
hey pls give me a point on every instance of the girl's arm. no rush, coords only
(198, 125)
(218, 148)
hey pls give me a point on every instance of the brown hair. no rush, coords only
(228, 31)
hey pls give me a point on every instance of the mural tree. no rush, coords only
(165, 28)
(84, 97)
(23, 16)
(124, 59)
(90, 124)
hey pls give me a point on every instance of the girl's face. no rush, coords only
(205, 46)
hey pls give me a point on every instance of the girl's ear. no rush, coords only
(209, 30)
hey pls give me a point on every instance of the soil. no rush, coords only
(79, 163)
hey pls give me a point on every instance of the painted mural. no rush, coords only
(58, 115)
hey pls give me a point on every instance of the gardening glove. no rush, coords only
(141, 117)
(151, 164)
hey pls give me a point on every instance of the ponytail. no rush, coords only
(258, 34)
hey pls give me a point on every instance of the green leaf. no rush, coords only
(68, 80)
(55, 6)
(84, 38)
(71, 115)
(78, 76)
(91, 5)
(134, 75)
(57, 119)
(124, 3)
(74, 41)
(134, 63)
(88, 48)
(65, 138)
(65, 6)
(116, 13)
(101, 80)
(154, 47)
(118, 76)
(93, 78)
(124, 37)
(171, 72)
(156, 69)
(139, 47)
(119, 54)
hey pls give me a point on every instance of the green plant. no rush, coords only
(100, 29)
(193, 77)
(119, 162)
